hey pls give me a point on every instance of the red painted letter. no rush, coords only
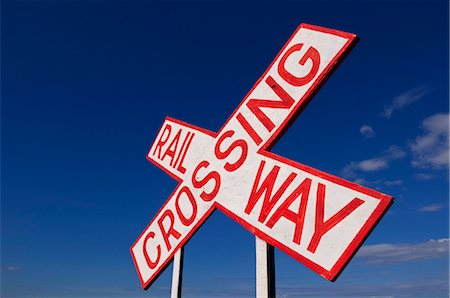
(169, 150)
(180, 166)
(312, 54)
(255, 105)
(161, 142)
(249, 129)
(297, 218)
(321, 227)
(183, 219)
(222, 155)
(150, 263)
(200, 183)
(267, 187)
(170, 231)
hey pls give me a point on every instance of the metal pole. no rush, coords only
(177, 274)
(265, 269)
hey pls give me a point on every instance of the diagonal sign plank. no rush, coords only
(317, 218)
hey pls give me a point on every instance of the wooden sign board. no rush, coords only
(317, 218)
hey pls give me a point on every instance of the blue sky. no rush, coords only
(86, 86)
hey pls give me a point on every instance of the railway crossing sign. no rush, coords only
(318, 219)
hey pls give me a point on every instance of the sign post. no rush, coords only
(177, 274)
(265, 269)
(318, 219)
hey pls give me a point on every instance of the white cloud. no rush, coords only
(362, 181)
(431, 208)
(378, 183)
(393, 153)
(368, 288)
(405, 252)
(367, 131)
(423, 176)
(430, 149)
(374, 164)
(424, 286)
(12, 268)
(405, 99)
(393, 182)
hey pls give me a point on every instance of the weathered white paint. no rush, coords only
(265, 269)
(198, 159)
(177, 274)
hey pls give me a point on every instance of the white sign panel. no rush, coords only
(318, 219)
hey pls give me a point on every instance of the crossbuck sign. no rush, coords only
(316, 218)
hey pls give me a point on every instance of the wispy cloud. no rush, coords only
(413, 288)
(367, 131)
(405, 252)
(405, 99)
(394, 182)
(373, 164)
(431, 208)
(12, 268)
(36, 289)
(379, 182)
(424, 176)
(362, 181)
(430, 149)
(369, 288)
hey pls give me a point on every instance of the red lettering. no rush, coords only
(251, 132)
(224, 154)
(171, 152)
(255, 105)
(311, 54)
(161, 142)
(296, 218)
(214, 175)
(170, 231)
(150, 263)
(186, 220)
(180, 167)
(321, 227)
(267, 187)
